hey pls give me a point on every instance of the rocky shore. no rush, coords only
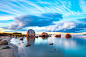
(12, 51)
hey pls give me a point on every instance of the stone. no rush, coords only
(44, 34)
(0, 39)
(54, 49)
(36, 36)
(5, 47)
(21, 38)
(50, 43)
(68, 36)
(58, 36)
(40, 35)
(4, 42)
(22, 42)
(30, 33)
(28, 45)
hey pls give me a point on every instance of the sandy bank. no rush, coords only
(12, 52)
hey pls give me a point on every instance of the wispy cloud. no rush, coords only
(83, 5)
(7, 17)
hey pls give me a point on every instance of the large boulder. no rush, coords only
(44, 34)
(30, 33)
(4, 42)
(68, 36)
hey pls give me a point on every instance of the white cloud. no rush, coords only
(65, 25)
(3, 30)
(7, 17)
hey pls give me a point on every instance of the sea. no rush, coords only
(61, 47)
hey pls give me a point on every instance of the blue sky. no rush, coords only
(67, 16)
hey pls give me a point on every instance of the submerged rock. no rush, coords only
(0, 39)
(4, 42)
(28, 45)
(22, 42)
(21, 38)
(50, 43)
(54, 49)
(5, 47)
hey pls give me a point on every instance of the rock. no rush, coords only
(28, 45)
(21, 38)
(58, 36)
(5, 47)
(0, 39)
(36, 36)
(68, 36)
(44, 34)
(54, 49)
(50, 43)
(22, 42)
(30, 33)
(4, 42)
(40, 35)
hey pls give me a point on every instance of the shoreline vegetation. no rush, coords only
(13, 34)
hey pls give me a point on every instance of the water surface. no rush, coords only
(62, 47)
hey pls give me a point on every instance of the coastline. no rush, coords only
(12, 52)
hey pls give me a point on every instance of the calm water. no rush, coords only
(62, 47)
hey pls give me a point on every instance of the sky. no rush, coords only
(66, 16)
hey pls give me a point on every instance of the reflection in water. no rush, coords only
(68, 37)
(30, 40)
(44, 38)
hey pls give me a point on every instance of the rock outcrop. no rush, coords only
(68, 36)
(30, 33)
(44, 34)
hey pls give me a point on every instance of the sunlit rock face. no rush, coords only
(30, 33)
(68, 36)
